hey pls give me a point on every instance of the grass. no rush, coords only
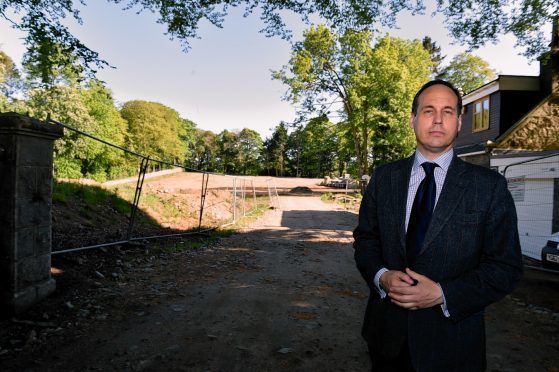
(327, 196)
(350, 201)
(62, 191)
(192, 242)
(121, 205)
(86, 198)
(253, 214)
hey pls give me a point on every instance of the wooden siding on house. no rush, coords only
(505, 109)
(467, 136)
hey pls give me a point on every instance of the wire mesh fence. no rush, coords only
(534, 185)
(175, 201)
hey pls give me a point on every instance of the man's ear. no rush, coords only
(412, 120)
(459, 123)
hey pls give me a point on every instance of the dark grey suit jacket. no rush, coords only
(471, 249)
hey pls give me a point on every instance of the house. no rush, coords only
(511, 125)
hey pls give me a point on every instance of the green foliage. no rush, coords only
(120, 205)
(371, 85)
(313, 149)
(53, 52)
(229, 154)
(468, 72)
(65, 104)
(10, 79)
(91, 110)
(63, 191)
(327, 196)
(153, 130)
(250, 151)
(478, 22)
(204, 151)
(67, 168)
(110, 162)
(435, 53)
(398, 69)
(275, 151)
(187, 136)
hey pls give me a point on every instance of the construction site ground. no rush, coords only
(281, 294)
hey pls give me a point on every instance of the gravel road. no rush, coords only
(281, 295)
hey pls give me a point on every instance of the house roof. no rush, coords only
(537, 130)
(504, 82)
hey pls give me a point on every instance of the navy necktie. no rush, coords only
(422, 210)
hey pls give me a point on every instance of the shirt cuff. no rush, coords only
(443, 305)
(381, 291)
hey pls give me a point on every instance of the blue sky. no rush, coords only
(224, 81)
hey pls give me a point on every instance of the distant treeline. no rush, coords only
(366, 82)
(158, 131)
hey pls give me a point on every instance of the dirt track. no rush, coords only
(281, 295)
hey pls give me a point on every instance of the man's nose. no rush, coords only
(438, 117)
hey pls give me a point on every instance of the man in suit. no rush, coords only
(435, 260)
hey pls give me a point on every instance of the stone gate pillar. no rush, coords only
(26, 160)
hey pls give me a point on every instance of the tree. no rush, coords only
(204, 151)
(250, 151)
(73, 152)
(229, 153)
(318, 148)
(435, 54)
(111, 127)
(370, 87)
(398, 68)
(275, 151)
(9, 84)
(468, 72)
(320, 74)
(50, 45)
(187, 135)
(10, 79)
(153, 129)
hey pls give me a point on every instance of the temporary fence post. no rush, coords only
(277, 196)
(253, 194)
(269, 193)
(205, 177)
(243, 196)
(139, 184)
(234, 199)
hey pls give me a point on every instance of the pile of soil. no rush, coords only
(301, 190)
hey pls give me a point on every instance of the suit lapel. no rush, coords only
(400, 179)
(453, 190)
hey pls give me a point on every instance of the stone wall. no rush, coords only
(539, 130)
(26, 157)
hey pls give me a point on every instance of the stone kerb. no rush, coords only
(26, 160)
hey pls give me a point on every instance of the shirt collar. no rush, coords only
(442, 161)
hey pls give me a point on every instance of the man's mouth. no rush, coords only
(436, 133)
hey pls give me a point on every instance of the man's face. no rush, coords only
(436, 123)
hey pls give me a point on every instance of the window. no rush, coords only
(481, 115)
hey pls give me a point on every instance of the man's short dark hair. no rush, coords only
(437, 82)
